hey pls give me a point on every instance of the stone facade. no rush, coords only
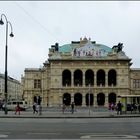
(14, 88)
(75, 71)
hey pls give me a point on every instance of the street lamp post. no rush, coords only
(6, 51)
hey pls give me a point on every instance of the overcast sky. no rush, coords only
(39, 24)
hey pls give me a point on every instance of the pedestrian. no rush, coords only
(34, 108)
(139, 108)
(63, 108)
(119, 108)
(109, 107)
(134, 107)
(17, 109)
(72, 107)
(0, 105)
(37, 108)
(112, 106)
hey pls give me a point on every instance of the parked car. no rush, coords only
(11, 105)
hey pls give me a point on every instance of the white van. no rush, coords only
(11, 105)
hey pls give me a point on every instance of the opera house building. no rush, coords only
(84, 72)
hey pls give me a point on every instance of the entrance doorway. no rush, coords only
(78, 99)
(66, 98)
(112, 98)
(89, 99)
(101, 99)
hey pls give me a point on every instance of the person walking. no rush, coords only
(17, 109)
(112, 106)
(119, 108)
(139, 108)
(72, 107)
(34, 108)
(63, 108)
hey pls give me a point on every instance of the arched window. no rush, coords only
(78, 99)
(112, 78)
(66, 99)
(100, 78)
(89, 77)
(101, 99)
(112, 98)
(78, 78)
(66, 78)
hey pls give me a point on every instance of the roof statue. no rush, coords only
(85, 48)
(117, 48)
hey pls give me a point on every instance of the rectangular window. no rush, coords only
(136, 83)
(37, 83)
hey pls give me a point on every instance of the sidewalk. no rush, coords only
(58, 114)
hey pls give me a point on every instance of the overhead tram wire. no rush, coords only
(35, 20)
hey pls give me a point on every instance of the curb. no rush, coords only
(68, 117)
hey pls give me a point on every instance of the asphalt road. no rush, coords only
(103, 128)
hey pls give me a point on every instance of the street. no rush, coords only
(97, 128)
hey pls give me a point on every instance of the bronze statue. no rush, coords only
(118, 48)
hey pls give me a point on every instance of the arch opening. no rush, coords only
(66, 99)
(78, 99)
(101, 99)
(100, 78)
(89, 78)
(112, 78)
(78, 78)
(66, 78)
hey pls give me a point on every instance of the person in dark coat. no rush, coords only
(139, 108)
(34, 108)
(119, 108)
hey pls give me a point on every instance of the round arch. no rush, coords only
(112, 98)
(89, 77)
(101, 99)
(66, 99)
(78, 99)
(66, 78)
(112, 76)
(100, 77)
(78, 77)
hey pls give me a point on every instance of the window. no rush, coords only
(37, 83)
(136, 83)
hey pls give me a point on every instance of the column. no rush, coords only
(83, 79)
(95, 79)
(72, 79)
(95, 100)
(106, 100)
(83, 100)
(106, 80)
(72, 97)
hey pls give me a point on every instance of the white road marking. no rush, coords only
(42, 133)
(84, 133)
(108, 136)
(3, 136)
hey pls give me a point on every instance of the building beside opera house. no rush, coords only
(14, 88)
(83, 72)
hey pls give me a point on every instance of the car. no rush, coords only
(11, 105)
